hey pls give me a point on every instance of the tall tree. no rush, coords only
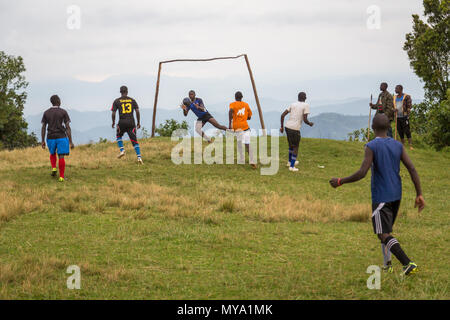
(428, 48)
(13, 127)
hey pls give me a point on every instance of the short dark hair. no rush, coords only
(123, 89)
(380, 122)
(302, 96)
(54, 99)
(238, 95)
(399, 85)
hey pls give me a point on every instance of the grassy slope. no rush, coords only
(212, 231)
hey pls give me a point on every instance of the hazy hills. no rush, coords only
(90, 126)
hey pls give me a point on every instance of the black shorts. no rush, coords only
(293, 137)
(205, 118)
(384, 215)
(129, 128)
(403, 128)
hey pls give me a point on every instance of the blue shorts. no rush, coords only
(59, 145)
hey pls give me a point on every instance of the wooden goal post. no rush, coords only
(261, 119)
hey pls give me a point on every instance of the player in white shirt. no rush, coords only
(298, 113)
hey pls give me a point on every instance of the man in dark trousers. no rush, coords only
(402, 107)
(385, 105)
(383, 155)
(59, 135)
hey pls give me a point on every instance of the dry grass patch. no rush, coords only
(17, 200)
(276, 208)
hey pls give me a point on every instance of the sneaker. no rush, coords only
(288, 164)
(254, 166)
(139, 160)
(54, 172)
(411, 268)
(388, 268)
(294, 169)
(61, 179)
(121, 154)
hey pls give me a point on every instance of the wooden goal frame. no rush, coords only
(261, 119)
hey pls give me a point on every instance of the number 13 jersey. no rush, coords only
(126, 107)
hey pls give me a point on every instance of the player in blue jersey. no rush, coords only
(384, 154)
(203, 116)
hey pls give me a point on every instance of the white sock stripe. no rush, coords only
(391, 243)
(376, 215)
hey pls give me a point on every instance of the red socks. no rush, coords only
(62, 167)
(53, 160)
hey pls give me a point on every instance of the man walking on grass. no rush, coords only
(384, 155)
(385, 105)
(126, 107)
(59, 136)
(298, 113)
(402, 107)
(239, 113)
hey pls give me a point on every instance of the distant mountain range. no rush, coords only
(91, 126)
(88, 103)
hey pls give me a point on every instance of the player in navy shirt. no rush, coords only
(384, 154)
(203, 116)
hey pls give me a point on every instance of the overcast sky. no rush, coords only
(285, 40)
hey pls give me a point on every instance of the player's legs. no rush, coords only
(63, 149)
(131, 131)
(51, 144)
(408, 133)
(401, 129)
(61, 166)
(248, 148)
(119, 136)
(294, 141)
(216, 124)
(198, 128)
(383, 218)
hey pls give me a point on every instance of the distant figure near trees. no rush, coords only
(402, 107)
(385, 105)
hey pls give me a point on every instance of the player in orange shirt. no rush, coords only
(239, 113)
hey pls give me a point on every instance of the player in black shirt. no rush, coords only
(126, 107)
(59, 137)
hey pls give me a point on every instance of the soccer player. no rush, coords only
(59, 135)
(238, 115)
(126, 107)
(198, 108)
(384, 154)
(402, 107)
(298, 112)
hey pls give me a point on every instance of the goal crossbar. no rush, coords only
(261, 119)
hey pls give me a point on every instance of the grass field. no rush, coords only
(162, 231)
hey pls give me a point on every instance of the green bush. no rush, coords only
(169, 126)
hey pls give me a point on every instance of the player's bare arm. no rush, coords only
(43, 135)
(420, 201)
(113, 117)
(358, 175)
(69, 135)
(305, 120)
(138, 118)
(230, 118)
(282, 120)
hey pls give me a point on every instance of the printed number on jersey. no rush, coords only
(126, 108)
